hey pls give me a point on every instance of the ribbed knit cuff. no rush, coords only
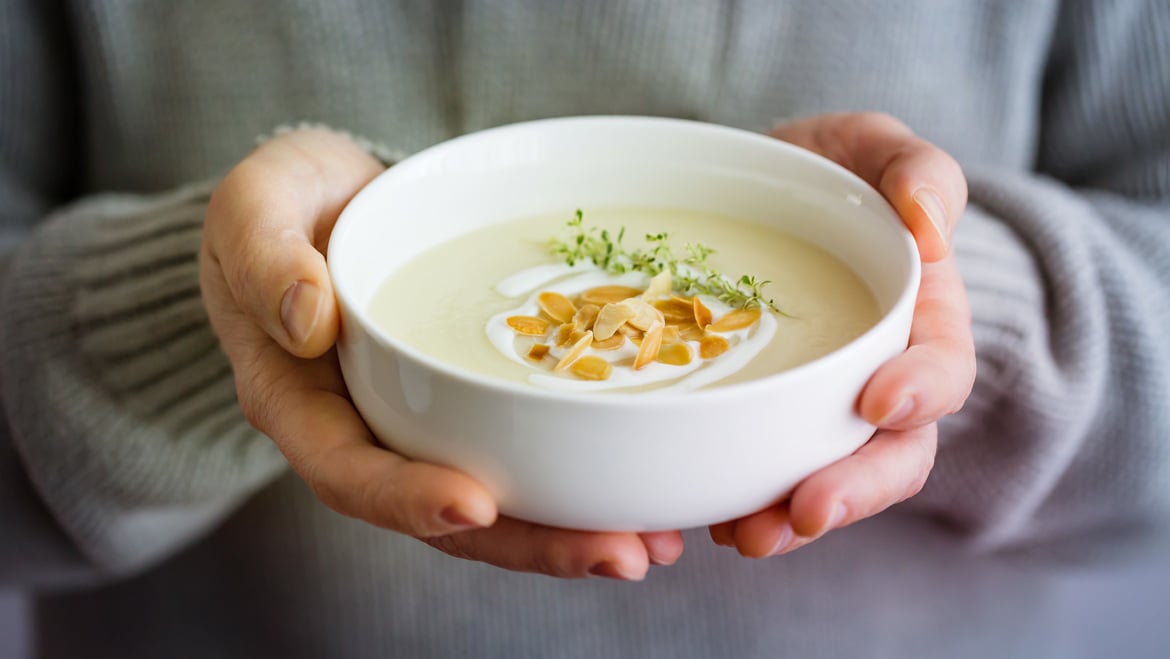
(387, 156)
(1037, 455)
(119, 399)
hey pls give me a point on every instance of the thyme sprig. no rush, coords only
(690, 273)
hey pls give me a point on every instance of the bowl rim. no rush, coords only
(618, 398)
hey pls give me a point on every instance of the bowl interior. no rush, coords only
(559, 165)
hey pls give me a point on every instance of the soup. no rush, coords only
(500, 302)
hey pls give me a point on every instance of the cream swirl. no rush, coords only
(746, 343)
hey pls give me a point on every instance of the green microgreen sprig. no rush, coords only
(690, 274)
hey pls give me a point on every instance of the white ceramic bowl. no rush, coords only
(617, 462)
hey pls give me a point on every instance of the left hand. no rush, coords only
(908, 394)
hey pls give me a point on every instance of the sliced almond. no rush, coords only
(575, 352)
(645, 314)
(557, 306)
(675, 311)
(648, 351)
(528, 325)
(671, 334)
(675, 354)
(712, 346)
(537, 351)
(631, 333)
(735, 320)
(691, 332)
(659, 286)
(610, 318)
(585, 317)
(603, 295)
(564, 335)
(701, 312)
(590, 367)
(612, 343)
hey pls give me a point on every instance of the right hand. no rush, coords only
(267, 292)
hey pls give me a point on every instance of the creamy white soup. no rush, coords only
(502, 303)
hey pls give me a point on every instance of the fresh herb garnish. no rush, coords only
(690, 274)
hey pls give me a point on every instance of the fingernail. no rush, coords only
(837, 516)
(782, 542)
(298, 311)
(609, 571)
(900, 412)
(931, 204)
(453, 516)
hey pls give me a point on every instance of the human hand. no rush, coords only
(268, 294)
(909, 393)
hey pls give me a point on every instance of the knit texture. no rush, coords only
(108, 345)
(131, 477)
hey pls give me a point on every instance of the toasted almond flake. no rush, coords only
(659, 286)
(675, 354)
(537, 351)
(702, 313)
(590, 367)
(712, 346)
(528, 325)
(645, 315)
(557, 306)
(735, 320)
(671, 334)
(675, 312)
(585, 317)
(610, 318)
(564, 335)
(612, 343)
(648, 351)
(691, 332)
(575, 352)
(630, 333)
(603, 295)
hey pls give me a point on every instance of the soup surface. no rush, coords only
(458, 301)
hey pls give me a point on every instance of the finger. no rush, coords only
(520, 546)
(934, 376)
(266, 227)
(924, 184)
(301, 405)
(765, 533)
(890, 468)
(723, 534)
(663, 547)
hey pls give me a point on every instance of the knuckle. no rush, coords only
(557, 559)
(243, 273)
(313, 473)
(255, 395)
(453, 545)
(877, 121)
(921, 470)
(377, 502)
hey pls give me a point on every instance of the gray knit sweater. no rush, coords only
(142, 517)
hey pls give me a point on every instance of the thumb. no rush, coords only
(924, 184)
(266, 228)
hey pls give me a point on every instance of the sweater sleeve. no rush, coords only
(117, 395)
(120, 437)
(1064, 439)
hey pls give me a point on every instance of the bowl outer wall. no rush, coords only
(639, 462)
